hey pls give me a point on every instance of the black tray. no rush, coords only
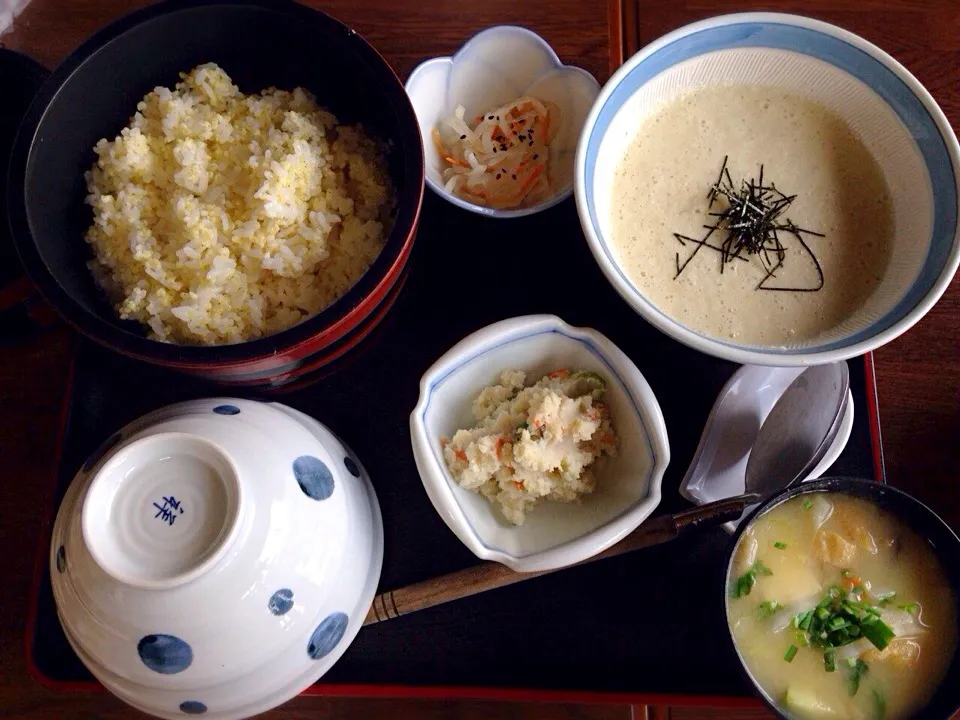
(647, 623)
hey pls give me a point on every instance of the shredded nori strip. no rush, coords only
(751, 221)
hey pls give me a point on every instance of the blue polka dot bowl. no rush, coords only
(892, 114)
(216, 557)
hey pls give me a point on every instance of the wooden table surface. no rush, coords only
(918, 375)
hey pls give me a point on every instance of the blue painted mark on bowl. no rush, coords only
(313, 476)
(351, 466)
(165, 654)
(226, 410)
(98, 454)
(61, 559)
(327, 635)
(193, 707)
(281, 601)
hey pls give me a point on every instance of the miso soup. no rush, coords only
(840, 610)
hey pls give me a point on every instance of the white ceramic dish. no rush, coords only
(216, 557)
(719, 466)
(883, 103)
(554, 534)
(494, 67)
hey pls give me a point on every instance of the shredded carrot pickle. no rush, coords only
(503, 161)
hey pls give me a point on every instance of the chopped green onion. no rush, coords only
(830, 660)
(801, 638)
(838, 622)
(791, 653)
(850, 608)
(858, 668)
(912, 608)
(879, 706)
(780, 545)
(745, 584)
(768, 608)
(845, 573)
(884, 599)
(878, 633)
(807, 504)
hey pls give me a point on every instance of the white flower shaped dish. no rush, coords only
(554, 534)
(497, 66)
(216, 557)
(719, 466)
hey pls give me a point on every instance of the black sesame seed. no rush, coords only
(494, 149)
(489, 117)
(463, 137)
(513, 177)
(535, 156)
(498, 176)
(530, 143)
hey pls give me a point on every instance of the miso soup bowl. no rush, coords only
(924, 521)
(891, 112)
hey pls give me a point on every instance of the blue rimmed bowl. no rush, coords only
(893, 115)
(554, 534)
(216, 557)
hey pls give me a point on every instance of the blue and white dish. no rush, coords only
(893, 115)
(497, 65)
(216, 557)
(554, 534)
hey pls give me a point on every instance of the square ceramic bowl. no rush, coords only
(554, 534)
(494, 67)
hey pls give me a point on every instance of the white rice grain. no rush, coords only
(219, 217)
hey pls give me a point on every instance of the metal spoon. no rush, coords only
(792, 440)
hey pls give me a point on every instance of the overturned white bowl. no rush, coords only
(494, 67)
(554, 534)
(216, 557)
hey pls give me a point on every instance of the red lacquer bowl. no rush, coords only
(260, 43)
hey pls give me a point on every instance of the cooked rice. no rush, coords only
(221, 217)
